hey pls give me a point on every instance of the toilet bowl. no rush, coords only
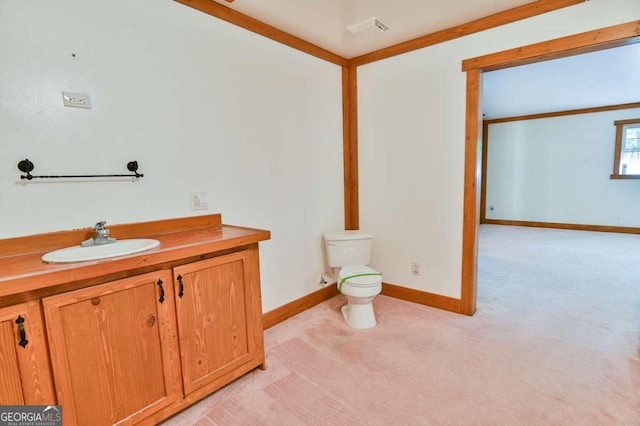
(360, 285)
(351, 251)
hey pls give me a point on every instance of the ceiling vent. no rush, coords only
(367, 23)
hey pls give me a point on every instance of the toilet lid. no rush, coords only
(359, 276)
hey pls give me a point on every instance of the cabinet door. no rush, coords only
(114, 350)
(24, 359)
(215, 315)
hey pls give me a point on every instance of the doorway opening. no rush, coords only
(592, 41)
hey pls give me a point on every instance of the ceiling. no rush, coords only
(597, 79)
(607, 77)
(324, 22)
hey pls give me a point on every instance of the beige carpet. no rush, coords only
(554, 342)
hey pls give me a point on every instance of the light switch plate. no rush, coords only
(198, 201)
(76, 100)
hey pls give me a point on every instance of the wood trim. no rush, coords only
(483, 182)
(50, 241)
(472, 185)
(564, 113)
(284, 312)
(255, 313)
(567, 46)
(241, 20)
(571, 226)
(422, 297)
(617, 176)
(350, 146)
(497, 19)
(625, 122)
(590, 41)
(346, 135)
(618, 149)
(617, 152)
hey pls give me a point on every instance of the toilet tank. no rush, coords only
(345, 248)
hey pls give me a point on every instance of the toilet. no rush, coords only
(350, 251)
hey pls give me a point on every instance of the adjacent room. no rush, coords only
(248, 212)
(550, 156)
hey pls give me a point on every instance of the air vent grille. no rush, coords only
(367, 23)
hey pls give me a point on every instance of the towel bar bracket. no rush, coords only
(27, 167)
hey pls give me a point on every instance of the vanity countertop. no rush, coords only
(25, 272)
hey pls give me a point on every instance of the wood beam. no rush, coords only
(563, 113)
(483, 174)
(497, 19)
(471, 192)
(234, 17)
(577, 44)
(350, 146)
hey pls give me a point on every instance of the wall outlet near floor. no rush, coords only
(618, 215)
(198, 201)
(415, 268)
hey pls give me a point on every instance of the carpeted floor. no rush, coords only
(555, 341)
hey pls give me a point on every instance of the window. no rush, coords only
(626, 162)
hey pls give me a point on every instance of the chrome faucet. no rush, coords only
(101, 236)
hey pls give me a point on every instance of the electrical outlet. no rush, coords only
(618, 215)
(198, 201)
(76, 100)
(415, 268)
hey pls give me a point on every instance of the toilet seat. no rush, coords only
(359, 276)
(360, 285)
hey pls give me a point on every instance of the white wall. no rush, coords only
(202, 105)
(557, 170)
(411, 141)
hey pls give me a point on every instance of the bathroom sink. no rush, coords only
(104, 251)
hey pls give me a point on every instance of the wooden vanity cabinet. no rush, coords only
(141, 348)
(219, 317)
(114, 350)
(24, 360)
(135, 350)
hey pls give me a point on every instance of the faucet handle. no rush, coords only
(100, 225)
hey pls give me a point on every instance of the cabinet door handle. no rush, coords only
(161, 300)
(181, 287)
(23, 333)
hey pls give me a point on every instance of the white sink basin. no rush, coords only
(105, 251)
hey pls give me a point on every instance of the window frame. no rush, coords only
(618, 149)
